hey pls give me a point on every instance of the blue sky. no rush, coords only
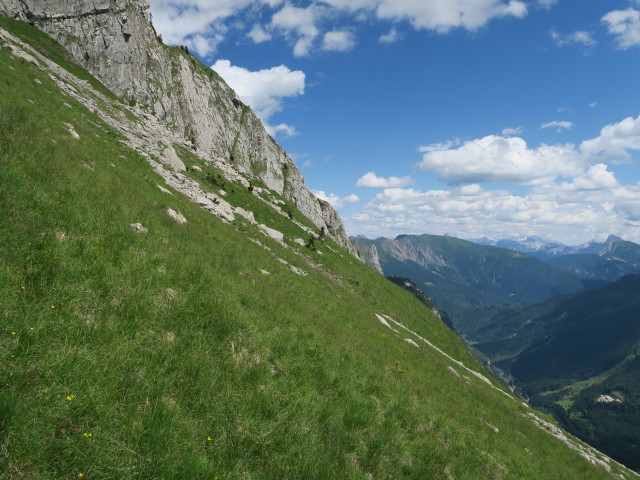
(495, 118)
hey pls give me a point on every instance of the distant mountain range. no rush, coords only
(608, 260)
(459, 274)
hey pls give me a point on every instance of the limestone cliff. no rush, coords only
(369, 255)
(116, 42)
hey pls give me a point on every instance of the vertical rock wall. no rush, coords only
(116, 42)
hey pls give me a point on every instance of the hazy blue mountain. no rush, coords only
(458, 274)
(609, 260)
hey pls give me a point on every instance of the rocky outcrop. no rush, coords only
(116, 42)
(369, 255)
(405, 247)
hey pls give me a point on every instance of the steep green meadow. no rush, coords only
(170, 355)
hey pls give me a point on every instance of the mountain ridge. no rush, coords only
(458, 273)
(608, 260)
(115, 41)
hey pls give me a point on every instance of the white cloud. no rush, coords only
(371, 180)
(614, 140)
(259, 34)
(391, 37)
(194, 22)
(501, 159)
(592, 204)
(572, 194)
(263, 90)
(562, 125)
(299, 22)
(597, 177)
(335, 200)
(547, 4)
(180, 21)
(444, 16)
(593, 104)
(580, 37)
(509, 132)
(509, 159)
(338, 41)
(625, 26)
(283, 128)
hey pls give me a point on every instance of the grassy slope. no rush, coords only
(169, 355)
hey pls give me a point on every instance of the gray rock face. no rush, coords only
(170, 158)
(116, 42)
(369, 255)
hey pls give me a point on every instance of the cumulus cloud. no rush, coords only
(263, 90)
(371, 180)
(614, 140)
(625, 26)
(547, 4)
(580, 38)
(336, 201)
(391, 37)
(194, 23)
(338, 41)
(184, 21)
(509, 159)
(509, 131)
(501, 159)
(566, 193)
(562, 125)
(597, 177)
(300, 23)
(445, 16)
(259, 34)
(572, 212)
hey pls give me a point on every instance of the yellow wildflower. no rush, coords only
(209, 438)
(87, 435)
(70, 397)
(80, 475)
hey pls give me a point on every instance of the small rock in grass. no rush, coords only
(138, 227)
(72, 131)
(176, 216)
(298, 271)
(452, 371)
(264, 272)
(246, 214)
(164, 190)
(170, 158)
